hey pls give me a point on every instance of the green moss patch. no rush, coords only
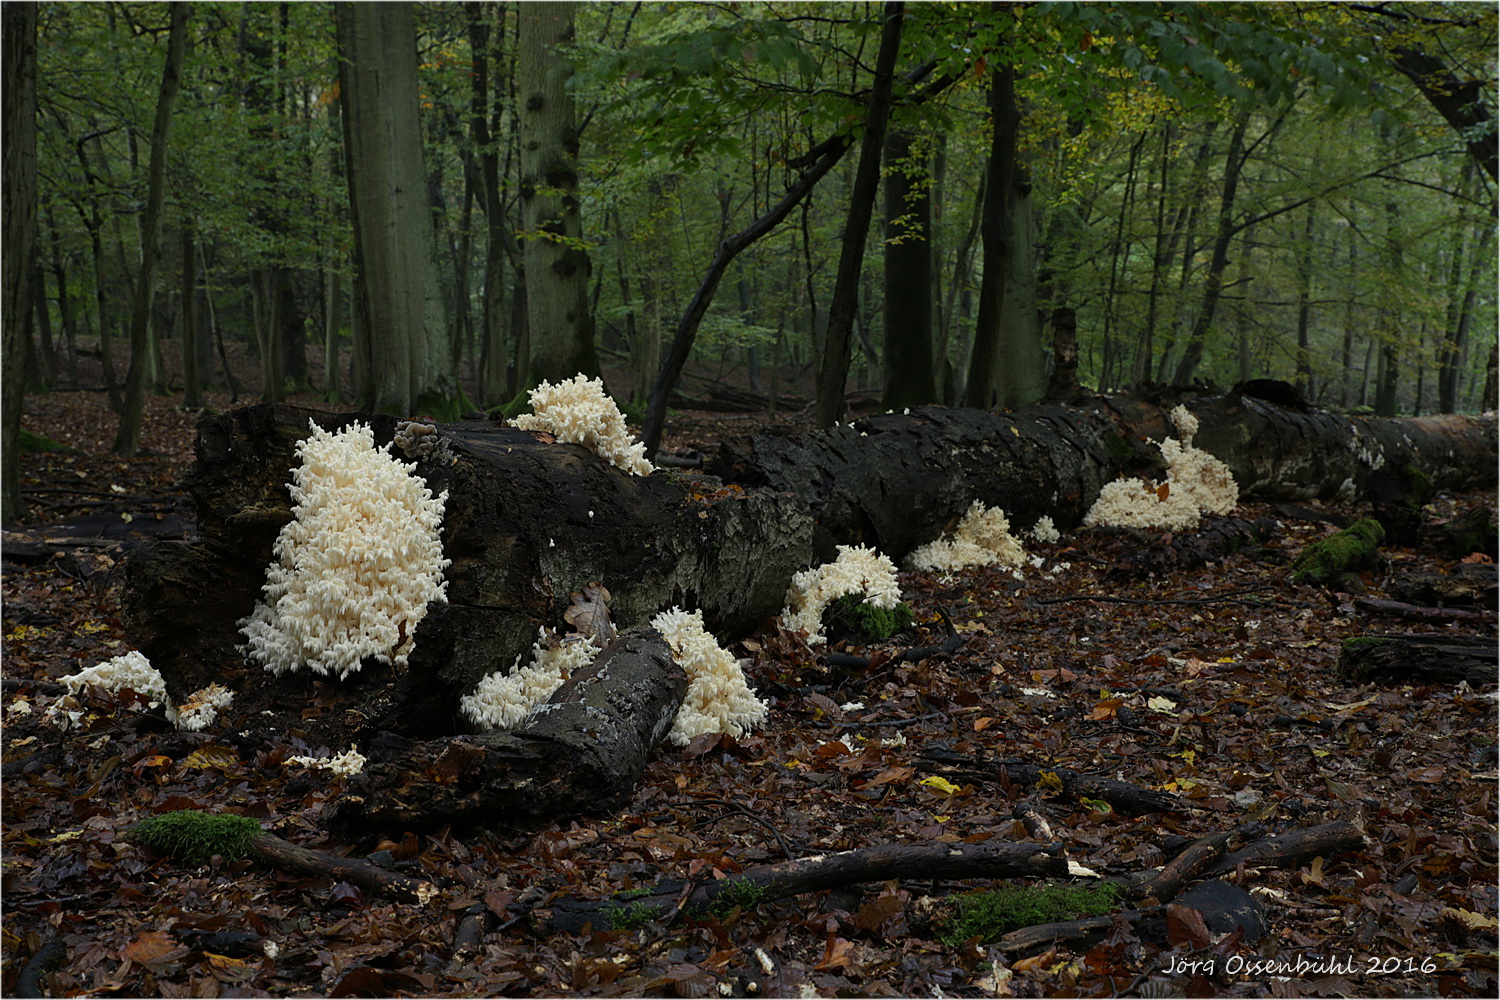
(991, 914)
(40, 443)
(1352, 549)
(194, 837)
(852, 617)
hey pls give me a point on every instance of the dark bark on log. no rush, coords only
(373, 879)
(1420, 659)
(898, 480)
(1218, 537)
(583, 752)
(1469, 584)
(1122, 796)
(50, 955)
(1292, 849)
(765, 883)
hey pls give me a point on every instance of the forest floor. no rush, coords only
(1215, 683)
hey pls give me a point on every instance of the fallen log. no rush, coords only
(1397, 609)
(529, 520)
(1125, 797)
(582, 752)
(1420, 659)
(1223, 907)
(766, 883)
(1468, 584)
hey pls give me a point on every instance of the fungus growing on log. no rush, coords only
(504, 699)
(717, 700)
(858, 569)
(357, 564)
(578, 411)
(982, 538)
(1196, 482)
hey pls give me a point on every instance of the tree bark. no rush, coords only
(401, 339)
(581, 753)
(833, 374)
(19, 171)
(1419, 659)
(908, 278)
(557, 265)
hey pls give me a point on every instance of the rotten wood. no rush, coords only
(1167, 881)
(582, 752)
(1468, 584)
(1420, 659)
(1397, 609)
(1123, 796)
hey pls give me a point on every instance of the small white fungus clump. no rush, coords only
(131, 670)
(717, 700)
(579, 411)
(503, 699)
(201, 707)
(347, 764)
(357, 565)
(1045, 531)
(1196, 482)
(982, 538)
(857, 570)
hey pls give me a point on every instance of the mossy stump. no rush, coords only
(1355, 548)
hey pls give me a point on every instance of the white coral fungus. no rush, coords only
(356, 567)
(131, 670)
(1196, 481)
(857, 570)
(982, 538)
(718, 700)
(1045, 531)
(579, 411)
(201, 708)
(347, 764)
(503, 699)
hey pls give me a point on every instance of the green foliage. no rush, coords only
(852, 616)
(737, 893)
(993, 913)
(1352, 549)
(194, 837)
(631, 915)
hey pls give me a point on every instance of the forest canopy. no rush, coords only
(1180, 191)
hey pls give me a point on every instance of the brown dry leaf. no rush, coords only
(148, 947)
(589, 614)
(1037, 963)
(1185, 926)
(837, 953)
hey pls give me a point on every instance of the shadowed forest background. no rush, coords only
(804, 199)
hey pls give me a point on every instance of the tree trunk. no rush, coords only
(402, 341)
(1213, 281)
(557, 265)
(19, 171)
(834, 371)
(908, 278)
(192, 382)
(1419, 659)
(995, 228)
(128, 436)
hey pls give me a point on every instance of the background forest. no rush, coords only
(447, 202)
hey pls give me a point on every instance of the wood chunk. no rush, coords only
(1420, 659)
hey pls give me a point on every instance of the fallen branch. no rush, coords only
(765, 883)
(372, 878)
(1396, 609)
(1292, 849)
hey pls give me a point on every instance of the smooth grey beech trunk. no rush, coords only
(400, 334)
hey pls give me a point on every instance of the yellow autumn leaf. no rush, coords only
(941, 784)
(1049, 779)
(62, 838)
(1470, 919)
(213, 755)
(1165, 706)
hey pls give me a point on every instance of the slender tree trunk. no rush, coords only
(1213, 281)
(1146, 350)
(59, 267)
(557, 264)
(192, 382)
(1304, 258)
(1242, 319)
(19, 221)
(1349, 317)
(402, 344)
(908, 278)
(1387, 382)
(834, 371)
(1458, 331)
(127, 439)
(1119, 255)
(46, 350)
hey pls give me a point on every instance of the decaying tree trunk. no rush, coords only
(581, 752)
(1121, 795)
(530, 521)
(1420, 659)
